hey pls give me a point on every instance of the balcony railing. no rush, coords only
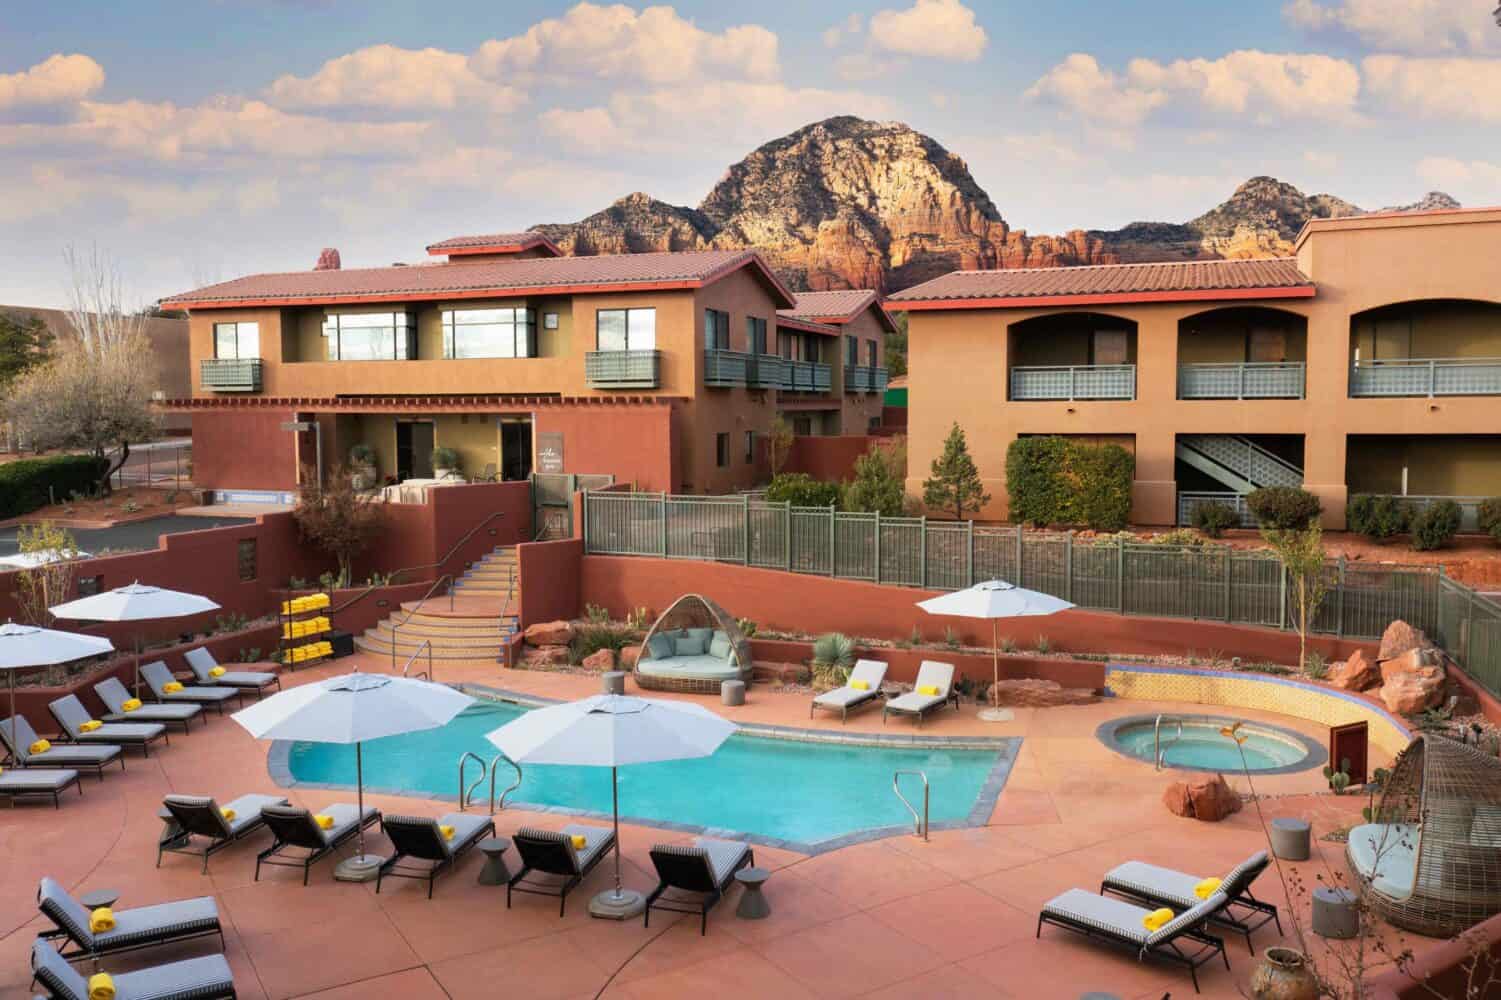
(1248, 380)
(864, 378)
(725, 368)
(230, 374)
(623, 369)
(807, 376)
(1073, 382)
(1427, 377)
(1189, 502)
(767, 371)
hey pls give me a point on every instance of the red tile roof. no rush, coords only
(486, 278)
(1160, 282)
(492, 243)
(839, 306)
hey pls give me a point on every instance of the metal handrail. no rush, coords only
(1157, 748)
(391, 577)
(920, 824)
(511, 788)
(464, 792)
(427, 645)
(395, 628)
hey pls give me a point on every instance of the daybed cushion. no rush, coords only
(721, 648)
(703, 667)
(1394, 846)
(706, 634)
(660, 647)
(690, 645)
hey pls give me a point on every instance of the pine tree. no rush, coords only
(878, 486)
(955, 484)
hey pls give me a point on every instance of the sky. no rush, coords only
(198, 140)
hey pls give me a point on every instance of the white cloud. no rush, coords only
(58, 79)
(1080, 85)
(655, 45)
(1410, 26)
(1456, 88)
(588, 130)
(941, 29)
(387, 77)
(849, 27)
(1471, 181)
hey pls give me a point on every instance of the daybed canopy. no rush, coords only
(664, 667)
(1432, 856)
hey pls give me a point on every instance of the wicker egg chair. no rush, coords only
(687, 612)
(1431, 861)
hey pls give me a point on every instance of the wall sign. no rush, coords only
(550, 451)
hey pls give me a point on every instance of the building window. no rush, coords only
(88, 586)
(625, 329)
(489, 333)
(784, 345)
(722, 449)
(247, 559)
(811, 349)
(388, 336)
(872, 352)
(851, 350)
(237, 340)
(750, 447)
(755, 334)
(716, 330)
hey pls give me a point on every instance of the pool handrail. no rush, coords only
(511, 788)
(1157, 749)
(464, 792)
(920, 825)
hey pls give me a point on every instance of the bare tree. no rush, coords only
(96, 301)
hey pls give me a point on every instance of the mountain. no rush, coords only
(850, 203)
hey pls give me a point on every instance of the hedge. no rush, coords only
(1378, 516)
(24, 483)
(1283, 507)
(1055, 480)
(802, 490)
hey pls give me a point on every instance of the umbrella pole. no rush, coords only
(361, 867)
(615, 812)
(359, 797)
(995, 665)
(619, 903)
(11, 735)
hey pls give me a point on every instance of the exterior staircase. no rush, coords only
(479, 625)
(1238, 462)
(497, 575)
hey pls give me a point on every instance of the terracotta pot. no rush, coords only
(1284, 974)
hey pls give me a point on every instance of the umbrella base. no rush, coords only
(608, 906)
(359, 868)
(996, 715)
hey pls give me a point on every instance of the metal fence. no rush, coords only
(1133, 578)
(1469, 629)
(162, 464)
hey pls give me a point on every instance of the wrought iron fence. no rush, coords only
(1469, 629)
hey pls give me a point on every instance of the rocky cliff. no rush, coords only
(849, 203)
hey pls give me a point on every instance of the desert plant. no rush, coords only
(1055, 480)
(1283, 507)
(1338, 778)
(1301, 552)
(232, 622)
(378, 579)
(251, 654)
(1008, 644)
(130, 507)
(801, 490)
(915, 637)
(641, 618)
(951, 637)
(1316, 666)
(833, 655)
(1378, 516)
(878, 484)
(1044, 644)
(592, 638)
(1435, 525)
(747, 626)
(955, 484)
(40, 587)
(363, 454)
(1213, 517)
(333, 581)
(596, 614)
(445, 458)
(778, 445)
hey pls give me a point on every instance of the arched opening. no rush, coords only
(1077, 355)
(1427, 347)
(1242, 353)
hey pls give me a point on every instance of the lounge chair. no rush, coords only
(704, 870)
(551, 854)
(71, 716)
(116, 695)
(138, 927)
(870, 673)
(203, 665)
(1149, 884)
(931, 674)
(419, 837)
(157, 677)
(205, 978)
(18, 782)
(200, 816)
(295, 829)
(18, 736)
(1182, 939)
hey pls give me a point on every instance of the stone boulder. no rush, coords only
(600, 659)
(1355, 674)
(558, 633)
(543, 657)
(1410, 662)
(1206, 798)
(1177, 800)
(1408, 692)
(1034, 692)
(628, 657)
(1398, 638)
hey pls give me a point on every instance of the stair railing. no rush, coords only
(395, 628)
(440, 563)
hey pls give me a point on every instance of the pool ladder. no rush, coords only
(466, 794)
(1157, 748)
(919, 823)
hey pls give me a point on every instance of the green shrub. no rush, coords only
(802, 490)
(1490, 517)
(591, 639)
(24, 483)
(445, 458)
(1053, 480)
(1037, 490)
(1214, 517)
(1101, 477)
(1434, 525)
(1283, 507)
(1378, 516)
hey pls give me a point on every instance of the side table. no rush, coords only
(753, 904)
(495, 871)
(1290, 839)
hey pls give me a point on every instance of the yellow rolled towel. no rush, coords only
(931, 690)
(228, 814)
(40, 746)
(1207, 888)
(217, 672)
(580, 841)
(171, 687)
(447, 831)
(130, 704)
(89, 726)
(1154, 920)
(859, 686)
(101, 986)
(324, 821)
(101, 920)
(286, 607)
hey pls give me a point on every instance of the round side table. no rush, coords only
(612, 682)
(495, 871)
(1290, 839)
(732, 692)
(1335, 914)
(99, 897)
(753, 904)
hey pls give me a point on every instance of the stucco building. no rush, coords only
(1368, 362)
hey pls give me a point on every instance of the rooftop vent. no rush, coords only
(328, 260)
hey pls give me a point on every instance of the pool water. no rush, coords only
(774, 789)
(1202, 747)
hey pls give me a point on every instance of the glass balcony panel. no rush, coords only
(1427, 377)
(623, 369)
(1073, 382)
(1248, 380)
(230, 374)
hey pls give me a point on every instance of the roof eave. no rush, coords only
(466, 250)
(1106, 298)
(443, 295)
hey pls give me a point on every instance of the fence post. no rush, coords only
(1120, 575)
(878, 547)
(1068, 566)
(922, 553)
(745, 528)
(1281, 596)
(1019, 576)
(1339, 626)
(969, 552)
(1228, 590)
(584, 516)
(662, 515)
(833, 543)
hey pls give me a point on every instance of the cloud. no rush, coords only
(588, 130)
(849, 27)
(390, 78)
(1475, 181)
(1080, 85)
(656, 46)
(1407, 26)
(1456, 88)
(58, 79)
(940, 29)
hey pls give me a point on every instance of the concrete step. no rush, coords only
(375, 643)
(423, 624)
(500, 587)
(465, 637)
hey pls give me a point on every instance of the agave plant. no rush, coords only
(833, 655)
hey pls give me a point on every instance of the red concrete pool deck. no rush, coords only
(953, 917)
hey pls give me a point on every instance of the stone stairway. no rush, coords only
(477, 626)
(496, 576)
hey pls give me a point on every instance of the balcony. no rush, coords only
(864, 378)
(623, 369)
(1070, 382)
(1248, 380)
(230, 374)
(806, 376)
(1427, 377)
(767, 371)
(725, 369)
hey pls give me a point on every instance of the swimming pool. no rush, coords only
(807, 795)
(1194, 743)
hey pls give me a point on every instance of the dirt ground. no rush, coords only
(110, 509)
(1474, 560)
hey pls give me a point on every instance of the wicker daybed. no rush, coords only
(694, 647)
(1432, 861)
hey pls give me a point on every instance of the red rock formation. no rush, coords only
(558, 633)
(600, 659)
(1355, 674)
(1398, 638)
(1205, 798)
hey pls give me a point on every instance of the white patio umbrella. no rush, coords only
(994, 599)
(27, 646)
(612, 730)
(135, 602)
(31, 560)
(353, 708)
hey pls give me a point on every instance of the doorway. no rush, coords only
(414, 449)
(515, 450)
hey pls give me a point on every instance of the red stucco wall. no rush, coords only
(828, 458)
(636, 443)
(902, 664)
(550, 576)
(244, 449)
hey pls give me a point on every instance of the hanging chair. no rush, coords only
(1431, 858)
(671, 659)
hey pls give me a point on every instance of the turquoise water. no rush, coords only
(771, 788)
(1202, 746)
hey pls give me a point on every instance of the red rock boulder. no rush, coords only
(1408, 692)
(1206, 798)
(543, 657)
(1398, 638)
(558, 633)
(600, 659)
(1409, 662)
(1177, 801)
(628, 657)
(1355, 674)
